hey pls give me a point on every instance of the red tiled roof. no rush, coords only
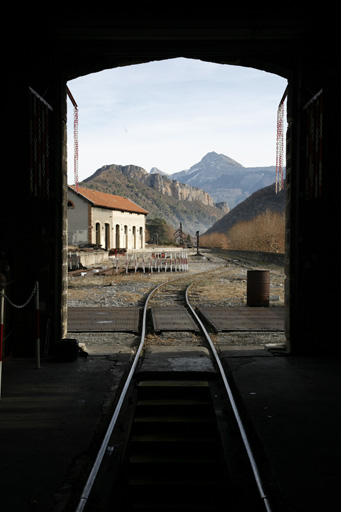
(105, 200)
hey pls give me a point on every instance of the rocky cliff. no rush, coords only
(166, 186)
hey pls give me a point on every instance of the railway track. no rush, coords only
(176, 440)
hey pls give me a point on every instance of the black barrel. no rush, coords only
(258, 287)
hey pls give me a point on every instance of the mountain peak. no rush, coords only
(225, 179)
(212, 158)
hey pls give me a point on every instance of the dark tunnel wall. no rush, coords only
(51, 49)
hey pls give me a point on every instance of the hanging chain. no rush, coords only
(75, 136)
(75, 132)
(279, 145)
(22, 305)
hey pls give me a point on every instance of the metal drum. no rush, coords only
(258, 287)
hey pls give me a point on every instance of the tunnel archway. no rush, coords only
(56, 49)
(106, 77)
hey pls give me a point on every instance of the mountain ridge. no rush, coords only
(178, 198)
(226, 179)
(160, 195)
(159, 181)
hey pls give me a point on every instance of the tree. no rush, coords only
(158, 230)
(214, 240)
(266, 233)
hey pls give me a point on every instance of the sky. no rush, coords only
(170, 114)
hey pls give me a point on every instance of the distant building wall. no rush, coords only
(128, 230)
(101, 227)
(110, 229)
(77, 217)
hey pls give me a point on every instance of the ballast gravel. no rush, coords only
(218, 281)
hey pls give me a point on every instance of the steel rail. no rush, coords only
(247, 445)
(104, 446)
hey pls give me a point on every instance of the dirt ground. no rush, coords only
(217, 282)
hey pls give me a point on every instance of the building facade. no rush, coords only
(104, 220)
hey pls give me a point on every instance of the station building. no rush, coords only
(105, 220)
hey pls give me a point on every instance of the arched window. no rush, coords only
(134, 237)
(98, 233)
(126, 236)
(141, 237)
(117, 245)
(107, 235)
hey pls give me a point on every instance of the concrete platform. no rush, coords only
(52, 419)
(293, 405)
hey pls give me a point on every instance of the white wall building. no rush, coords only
(109, 221)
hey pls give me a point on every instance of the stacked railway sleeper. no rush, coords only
(176, 441)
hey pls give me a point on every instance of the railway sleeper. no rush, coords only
(174, 458)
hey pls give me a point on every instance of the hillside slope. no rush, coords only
(259, 202)
(155, 196)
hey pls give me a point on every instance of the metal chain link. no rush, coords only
(23, 305)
